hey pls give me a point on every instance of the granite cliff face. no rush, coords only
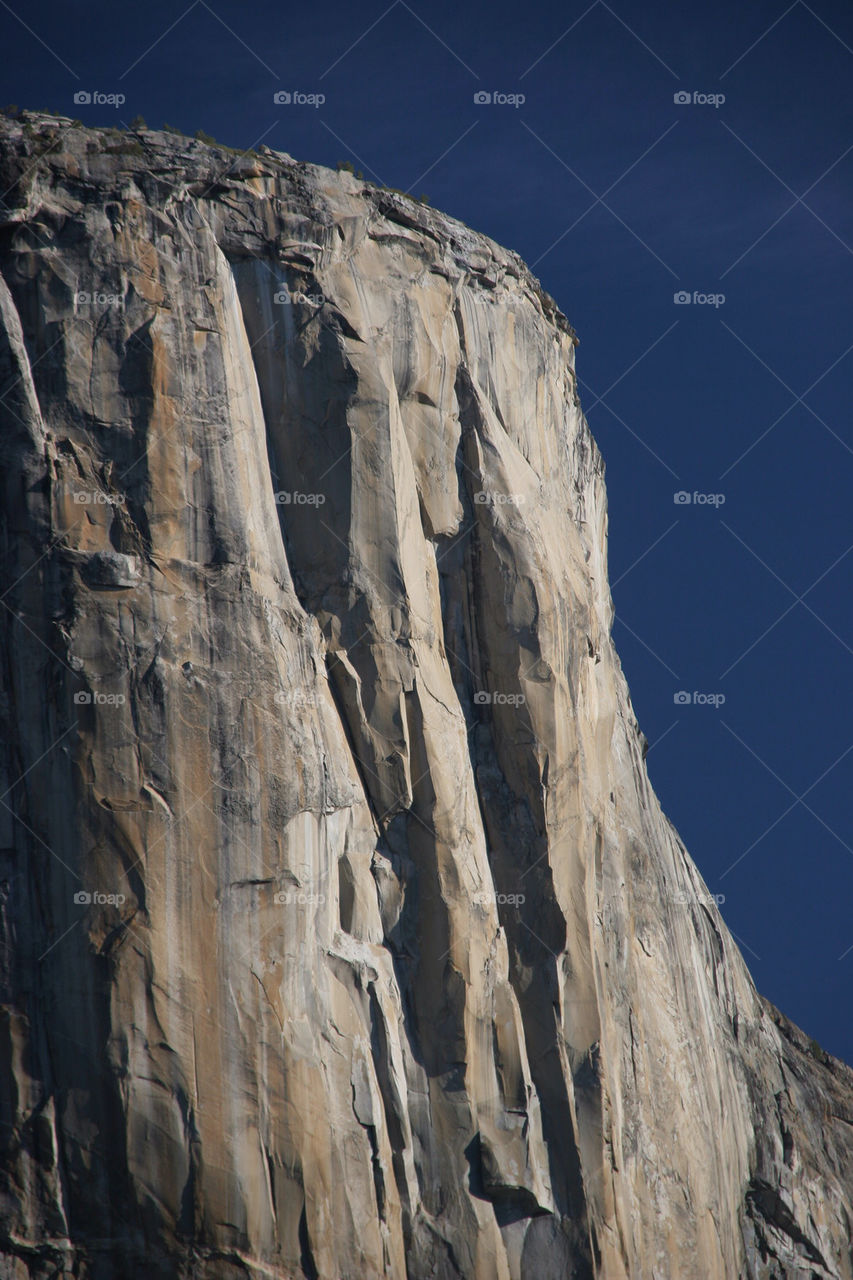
(341, 933)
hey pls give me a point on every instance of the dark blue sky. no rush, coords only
(619, 197)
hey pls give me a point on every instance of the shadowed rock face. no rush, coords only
(341, 933)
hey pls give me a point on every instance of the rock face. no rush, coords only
(341, 933)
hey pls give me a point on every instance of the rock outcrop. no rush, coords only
(341, 932)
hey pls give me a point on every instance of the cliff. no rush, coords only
(341, 932)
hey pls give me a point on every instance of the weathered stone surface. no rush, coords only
(392, 965)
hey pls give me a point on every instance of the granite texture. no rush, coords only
(341, 932)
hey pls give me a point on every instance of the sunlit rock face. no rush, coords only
(341, 933)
